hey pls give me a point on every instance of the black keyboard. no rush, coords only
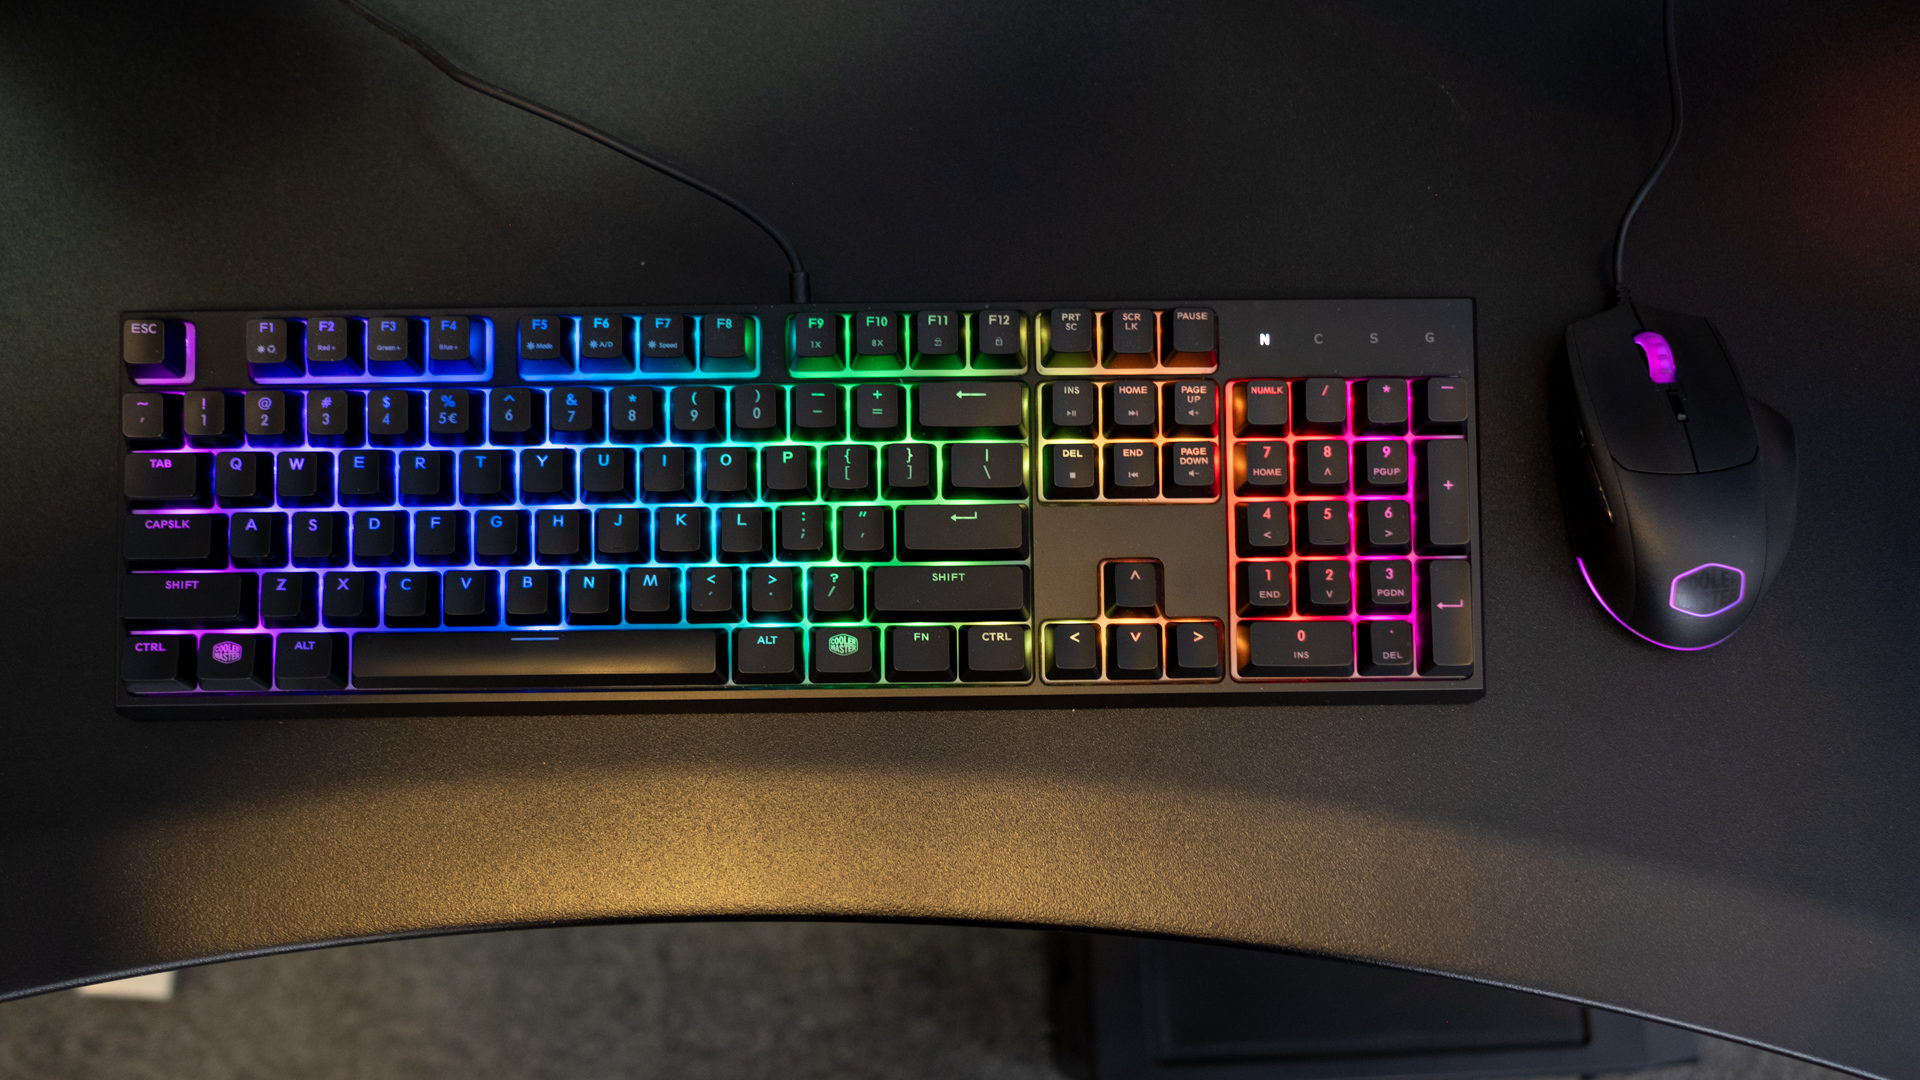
(776, 505)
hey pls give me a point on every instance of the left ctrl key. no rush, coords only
(157, 663)
(236, 662)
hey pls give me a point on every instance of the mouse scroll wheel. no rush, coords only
(1659, 356)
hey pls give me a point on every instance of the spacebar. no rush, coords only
(505, 659)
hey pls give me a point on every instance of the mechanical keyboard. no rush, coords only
(770, 506)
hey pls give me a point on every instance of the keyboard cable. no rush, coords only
(797, 279)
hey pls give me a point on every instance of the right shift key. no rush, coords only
(1447, 650)
(1446, 513)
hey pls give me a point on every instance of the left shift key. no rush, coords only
(197, 600)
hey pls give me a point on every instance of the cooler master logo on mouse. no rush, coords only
(1707, 590)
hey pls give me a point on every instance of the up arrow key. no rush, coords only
(988, 409)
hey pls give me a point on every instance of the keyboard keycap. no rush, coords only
(1132, 338)
(1389, 585)
(1326, 587)
(1193, 650)
(560, 537)
(380, 538)
(559, 659)
(606, 475)
(394, 418)
(833, 593)
(1193, 331)
(663, 344)
(1448, 586)
(680, 534)
(158, 663)
(726, 474)
(333, 417)
(395, 346)
(310, 662)
(593, 597)
(1133, 410)
(1073, 651)
(532, 599)
(910, 593)
(288, 599)
(574, 415)
(546, 475)
(412, 599)
(333, 345)
(909, 471)
(1267, 408)
(500, 537)
(876, 335)
(350, 599)
(189, 599)
(1000, 339)
(1381, 466)
(1261, 469)
(1069, 337)
(1447, 401)
(1389, 525)
(1325, 403)
(963, 531)
(167, 479)
(1073, 471)
(766, 654)
(515, 416)
(605, 344)
(787, 473)
(1132, 588)
(920, 654)
(150, 420)
(713, 594)
(1298, 649)
(210, 417)
(632, 413)
(1323, 466)
(440, 537)
(1192, 408)
(470, 598)
(1386, 648)
(1447, 517)
(426, 477)
(803, 532)
(621, 535)
(936, 340)
(995, 654)
(303, 477)
(743, 534)
(1386, 404)
(864, 534)
(175, 541)
(236, 662)
(664, 475)
(987, 470)
(1072, 408)
(1132, 471)
(759, 412)
(843, 654)
(695, 414)
(876, 410)
(725, 343)
(366, 478)
(1189, 471)
(1133, 651)
(1266, 588)
(319, 539)
(653, 595)
(771, 593)
(153, 348)
(1265, 529)
(960, 409)
(1324, 527)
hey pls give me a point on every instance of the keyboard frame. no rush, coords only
(1290, 339)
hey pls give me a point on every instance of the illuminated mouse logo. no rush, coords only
(843, 644)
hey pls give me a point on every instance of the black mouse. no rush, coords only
(1679, 489)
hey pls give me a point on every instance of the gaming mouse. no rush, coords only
(1679, 489)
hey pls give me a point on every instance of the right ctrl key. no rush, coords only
(1447, 651)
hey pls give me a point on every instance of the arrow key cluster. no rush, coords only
(1132, 640)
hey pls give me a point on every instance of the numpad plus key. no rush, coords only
(757, 506)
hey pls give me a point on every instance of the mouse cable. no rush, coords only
(797, 280)
(1673, 143)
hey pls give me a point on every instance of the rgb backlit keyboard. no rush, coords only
(411, 509)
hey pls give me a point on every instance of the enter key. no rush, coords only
(963, 531)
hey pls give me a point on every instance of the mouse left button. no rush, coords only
(155, 349)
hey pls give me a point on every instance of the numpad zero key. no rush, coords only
(776, 506)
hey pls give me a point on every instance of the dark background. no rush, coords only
(1725, 839)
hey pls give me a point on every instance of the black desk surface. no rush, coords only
(1725, 840)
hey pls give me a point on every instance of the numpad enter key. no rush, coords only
(527, 508)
